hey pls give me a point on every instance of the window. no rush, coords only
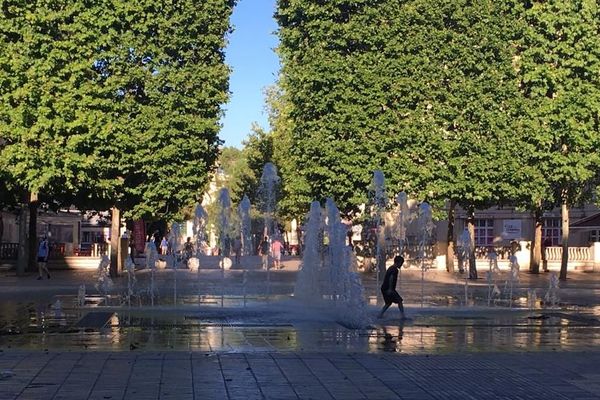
(595, 235)
(484, 232)
(551, 232)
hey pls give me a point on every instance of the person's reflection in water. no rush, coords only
(391, 342)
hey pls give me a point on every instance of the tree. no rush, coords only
(235, 167)
(421, 90)
(161, 81)
(44, 58)
(559, 59)
(117, 102)
(334, 98)
(258, 150)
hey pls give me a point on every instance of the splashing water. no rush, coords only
(552, 298)
(131, 280)
(224, 202)
(513, 278)
(464, 249)
(151, 259)
(307, 287)
(269, 181)
(425, 224)
(104, 283)
(403, 220)
(379, 203)
(245, 226)
(491, 277)
(173, 260)
(331, 279)
(81, 295)
(199, 228)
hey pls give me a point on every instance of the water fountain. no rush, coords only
(464, 250)
(512, 279)
(307, 287)
(223, 229)
(425, 223)
(131, 280)
(245, 226)
(81, 295)
(531, 299)
(173, 258)
(335, 257)
(104, 283)
(199, 230)
(379, 205)
(552, 298)
(403, 220)
(269, 182)
(151, 259)
(491, 276)
(330, 280)
(247, 247)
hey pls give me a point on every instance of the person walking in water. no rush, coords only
(263, 250)
(388, 287)
(164, 246)
(237, 249)
(276, 248)
(42, 257)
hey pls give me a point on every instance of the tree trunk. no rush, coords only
(33, 243)
(115, 235)
(471, 227)
(450, 238)
(564, 210)
(536, 246)
(22, 260)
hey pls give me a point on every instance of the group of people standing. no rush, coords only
(273, 249)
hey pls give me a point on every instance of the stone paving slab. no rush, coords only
(199, 375)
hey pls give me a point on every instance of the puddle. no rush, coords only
(276, 327)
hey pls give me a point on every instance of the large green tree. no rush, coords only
(419, 89)
(45, 55)
(559, 64)
(331, 57)
(161, 81)
(113, 103)
(454, 99)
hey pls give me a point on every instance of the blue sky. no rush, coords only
(254, 64)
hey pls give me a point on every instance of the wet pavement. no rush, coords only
(242, 335)
(255, 311)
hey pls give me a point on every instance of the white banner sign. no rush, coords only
(511, 229)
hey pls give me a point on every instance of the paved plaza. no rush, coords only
(234, 337)
(248, 375)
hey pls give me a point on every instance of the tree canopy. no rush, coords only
(118, 102)
(421, 90)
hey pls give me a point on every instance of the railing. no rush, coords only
(575, 253)
(9, 251)
(92, 250)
